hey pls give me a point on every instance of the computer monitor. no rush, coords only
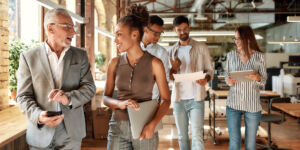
(294, 60)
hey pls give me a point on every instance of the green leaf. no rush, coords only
(15, 49)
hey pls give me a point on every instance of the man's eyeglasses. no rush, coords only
(66, 27)
(155, 33)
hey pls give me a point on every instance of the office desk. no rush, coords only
(289, 108)
(222, 94)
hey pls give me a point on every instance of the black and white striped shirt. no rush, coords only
(245, 95)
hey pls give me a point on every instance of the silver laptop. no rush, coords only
(138, 119)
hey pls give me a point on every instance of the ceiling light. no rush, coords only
(172, 13)
(253, 4)
(105, 33)
(283, 42)
(171, 39)
(51, 5)
(213, 46)
(209, 33)
(200, 17)
(203, 33)
(293, 18)
(163, 44)
(168, 20)
(258, 37)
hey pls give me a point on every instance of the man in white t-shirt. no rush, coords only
(149, 43)
(188, 56)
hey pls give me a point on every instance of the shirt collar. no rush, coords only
(191, 43)
(48, 49)
(145, 48)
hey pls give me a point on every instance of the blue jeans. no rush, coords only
(120, 138)
(252, 120)
(184, 111)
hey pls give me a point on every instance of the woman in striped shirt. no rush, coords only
(243, 97)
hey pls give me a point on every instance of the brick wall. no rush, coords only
(4, 54)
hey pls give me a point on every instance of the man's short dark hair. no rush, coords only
(156, 20)
(179, 20)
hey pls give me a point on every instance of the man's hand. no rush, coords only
(130, 103)
(171, 74)
(59, 96)
(204, 81)
(50, 121)
(148, 131)
(175, 63)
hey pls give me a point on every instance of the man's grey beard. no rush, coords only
(184, 38)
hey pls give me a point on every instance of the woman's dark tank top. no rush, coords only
(133, 82)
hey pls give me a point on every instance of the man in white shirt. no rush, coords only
(188, 56)
(54, 82)
(149, 43)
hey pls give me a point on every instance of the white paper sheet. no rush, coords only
(189, 76)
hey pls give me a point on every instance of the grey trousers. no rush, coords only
(120, 138)
(61, 141)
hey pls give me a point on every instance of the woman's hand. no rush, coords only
(255, 77)
(148, 131)
(130, 103)
(231, 81)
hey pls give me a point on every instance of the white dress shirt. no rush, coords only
(56, 65)
(162, 54)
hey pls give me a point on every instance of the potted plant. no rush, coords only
(15, 49)
(100, 60)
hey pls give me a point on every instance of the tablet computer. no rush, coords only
(139, 118)
(240, 76)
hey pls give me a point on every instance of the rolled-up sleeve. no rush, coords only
(226, 69)
(208, 67)
(262, 71)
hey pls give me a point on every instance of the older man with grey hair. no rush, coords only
(54, 82)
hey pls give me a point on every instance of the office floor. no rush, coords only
(285, 135)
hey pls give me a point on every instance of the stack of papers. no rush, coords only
(189, 76)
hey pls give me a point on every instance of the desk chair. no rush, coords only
(273, 118)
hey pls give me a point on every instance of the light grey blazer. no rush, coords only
(35, 81)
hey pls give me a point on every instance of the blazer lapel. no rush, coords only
(67, 61)
(46, 66)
